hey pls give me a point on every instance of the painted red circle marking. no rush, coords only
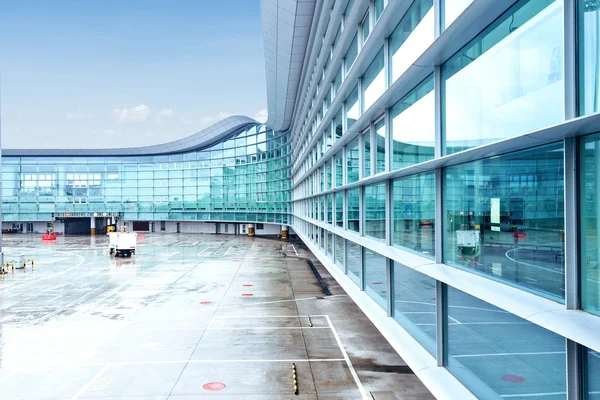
(247, 294)
(247, 284)
(213, 386)
(256, 259)
(377, 283)
(513, 378)
(206, 302)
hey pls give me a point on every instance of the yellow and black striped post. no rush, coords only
(24, 265)
(295, 376)
(32, 263)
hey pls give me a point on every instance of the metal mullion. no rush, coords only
(390, 286)
(571, 228)
(570, 58)
(439, 218)
(437, 92)
(361, 211)
(575, 362)
(361, 155)
(441, 326)
(389, 212)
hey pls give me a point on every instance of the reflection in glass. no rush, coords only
(354, 261)
(413, 126)
(505, 218)
(414, 33)
(353, 210)
(339, 169)
(414, 305)
(339, 251)
(590, 223)
(352, 161)
(451, 9)
(379, 6)
(366, 27)
(351, 54)
(352, 110)
(376, 277)
(589, 56)
(337, 126)
(339, 209)
(496, 354)
(523, 51)
(373, 82)
(414, 213)
(380, 146)
(375, 211)
(367, 153)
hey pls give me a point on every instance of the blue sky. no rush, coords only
(105, 73)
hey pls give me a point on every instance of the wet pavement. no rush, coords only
(190, 316)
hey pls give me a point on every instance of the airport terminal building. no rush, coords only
(440, 157)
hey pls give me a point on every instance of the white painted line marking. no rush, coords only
(278, 301)
(123, 363)
(195, 243)
(265, 328)
(208, 248)
(508, 354)
(363, 393)
(90, 383)
(294, 247)
(532, 394)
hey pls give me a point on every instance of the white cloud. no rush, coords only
(79, 115)
(138, 113)
(262, 116)
(167, 112)
(209, 120)
(110, 132)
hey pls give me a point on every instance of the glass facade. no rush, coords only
(376, 277)
(373, 82)
(353, 161)
(592, 381)
(353, 211)
(375, 211)
(414, 33)
(589, 206)
(415, 306)
(414, 213)
(412, 126)
(523, 51)
(244, 177)
(589, 56)
(497, 354)
(505, 218)
(380, 152)
(354, 262)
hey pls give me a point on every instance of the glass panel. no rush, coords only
(379, 6)
(352, 111)
(351, 54)
(353, 210)
(337, 126)
(589, 56)
(375, 277)
(451, 9)
(339, 169)
(414, 33)
(522, 50)
(505, 218)
(367, 153)
(590, 223)
(339, 252)
(380, 143)
(375, 211)
(366, 27)
(414, 305)
(496, 354)
(330, 209)
(354, 261)
(414, 213)
(413, 126)
(339, 209)
(352, 162)
(373, 82)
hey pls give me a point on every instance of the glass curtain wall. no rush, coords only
(375, 211)
(504, 219)
(523, 51)
(244, 177)
(414, 213)
(413, 127)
